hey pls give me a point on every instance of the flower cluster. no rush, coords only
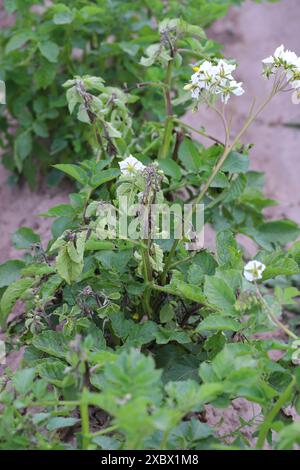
(253, 270)
(131, 166)
(288, 62)
(214, 79)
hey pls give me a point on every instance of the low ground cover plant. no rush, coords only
(127, 339)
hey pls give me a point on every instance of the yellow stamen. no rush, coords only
(196, 69)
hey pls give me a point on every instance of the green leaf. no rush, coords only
(219, 293)
(134, 375)
(135, 334)
(184, 393)
(236, 163)
(170, 168)
(61, 422)
(218, 323)
(278, 232)
(189, 291)
(23, 145)
(214, 344)
(62, 210)
(103, 177)
(10, 272)
(40, 129)
(129, 47)
(23, 380)
(24, 238)
(45, 74)
(75, 171)
(67, 268)
(203, 263)
(176, 364)
(114, 261)
(11, 295)
(235, 189)
(284, 266)
(289, 437)
(228, 253)
(187, 435)
(189, 155)
(63, 16)
(10, 6)
(53, 371)
(53, 343)
(166, 313)
(17, 40)
(164, 336)
(49, 50)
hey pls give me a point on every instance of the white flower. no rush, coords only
(287, 62)
(253, 270)
(130, 166)
(214, 79)
(285, 59)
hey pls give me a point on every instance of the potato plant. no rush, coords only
(127, 339)
(51, 41)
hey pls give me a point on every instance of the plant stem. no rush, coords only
(85, 423)
(168, 262)
(104, 431)
(266, 425)
(148, 280)
(167, 89)
(273, 318)
(198, 131)
(167, 137)
(56, 403)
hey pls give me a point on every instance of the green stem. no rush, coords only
(198, 131)
(148, 280)
(266, 426)
(167, 137)
(169, 262)
(85, 423)
(104, 431)
(56, 403)
(273, 318)
(180, 261)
